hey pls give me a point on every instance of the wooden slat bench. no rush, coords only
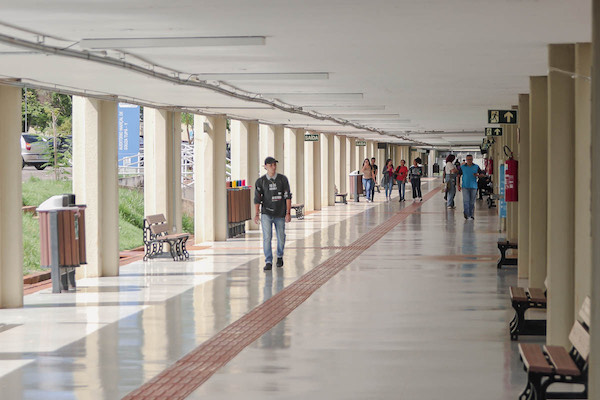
(299, 208)
(503, 246)
(156, 234)
(546, 365)
(342, 197)
(523, 299)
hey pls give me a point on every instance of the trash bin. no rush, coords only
(62, 239)
(356, 187)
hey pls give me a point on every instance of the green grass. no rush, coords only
(131, 218)
(36, 191)
(31, 244)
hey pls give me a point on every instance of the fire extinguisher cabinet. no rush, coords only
(62, 239)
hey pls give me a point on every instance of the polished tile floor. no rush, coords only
(422, 314)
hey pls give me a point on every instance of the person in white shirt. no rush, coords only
(450, 174)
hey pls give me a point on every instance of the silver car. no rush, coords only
(35, 150)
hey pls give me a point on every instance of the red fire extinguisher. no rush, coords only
(489, 166)
(511, 177)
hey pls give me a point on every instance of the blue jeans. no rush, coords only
(267, 221)
(368, 184)
(469, 196)
(450, 189)
(401, 189)
(388, 188)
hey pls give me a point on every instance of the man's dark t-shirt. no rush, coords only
(374, 171)
(272, 193)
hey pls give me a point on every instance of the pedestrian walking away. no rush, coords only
(450, 175)
(273, 204)
(367, 172)
(469, 173)
(401, 177)
(375, 169)
(387, 178)
(415, 172)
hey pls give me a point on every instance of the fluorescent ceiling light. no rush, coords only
(369, 116)
(264, 76)
(132, 43)
(317, 96)
(236, 108)
(346, 108)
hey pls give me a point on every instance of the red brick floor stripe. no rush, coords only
(182, 378)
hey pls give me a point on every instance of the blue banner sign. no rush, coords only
(502, 191)
(129, 133)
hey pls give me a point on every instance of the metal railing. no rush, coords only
(134, 165)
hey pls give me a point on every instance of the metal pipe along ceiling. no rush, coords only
(174, 78)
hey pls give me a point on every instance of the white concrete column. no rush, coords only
(594, 361)
(294, 162)
(382, 156)
(561, 199)
(11, 223)
(372, 150)
(327, 170)
(339, 145)
(245, 163)
(162, 165)
(360, 154)
(350, 161)
(210, 192)
(431, 161)
(538, 180)
(95, 182)
(583, 174)
(524, 186)
(271, 142)
(312, 176)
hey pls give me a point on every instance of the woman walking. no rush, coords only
(401, 177)
(388, 178)
(415, 172)
(367, 172)
(450, 174)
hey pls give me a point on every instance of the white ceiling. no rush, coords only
(440, 64)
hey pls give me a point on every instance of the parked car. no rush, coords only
(35, 150)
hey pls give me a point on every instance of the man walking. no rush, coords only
(469, 173)
(272, 191)
(375, 168)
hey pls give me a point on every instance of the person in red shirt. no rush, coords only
(401, 177)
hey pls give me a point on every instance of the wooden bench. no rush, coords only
(523, 299)
(156, 234)
(546, 365)
(299, 208)
(503, 246)
(342, 198)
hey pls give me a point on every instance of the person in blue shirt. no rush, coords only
(469, 173)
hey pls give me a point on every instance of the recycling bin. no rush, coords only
(356, 186)
(62, 239)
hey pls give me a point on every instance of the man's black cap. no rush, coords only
(270, 160)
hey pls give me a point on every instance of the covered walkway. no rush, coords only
(421, 313)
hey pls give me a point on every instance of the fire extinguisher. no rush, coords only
(511, 177)
(489, 166)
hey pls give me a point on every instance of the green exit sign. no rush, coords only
(311, 137)
(361, 142)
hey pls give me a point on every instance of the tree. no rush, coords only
(188, 120)
(41, 105)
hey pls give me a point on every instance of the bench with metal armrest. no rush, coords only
(299, 208)
(156, 234)
(503, 246)
(523, 299)
(546, 365)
